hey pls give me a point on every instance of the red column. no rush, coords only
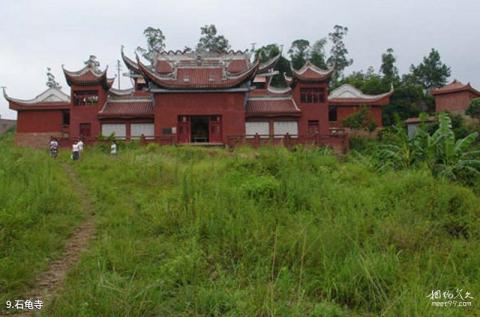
(128, 131)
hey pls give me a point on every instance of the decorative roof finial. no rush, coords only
(92, 62)
(5, 93)
(51, 82)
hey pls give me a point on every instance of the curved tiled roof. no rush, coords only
(279, 91)
(131, 65)
(272, 106)
(121, 92)
(163, 67)
(266, 66)
(88, 76)
(310, 72)
(237, 66)
(127, 106)
(455, 86)
(201, 77)
(52, 98)
(348, 95)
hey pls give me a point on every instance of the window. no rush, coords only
(66, 117)
(312, 95)
(283, 127)
(85, 97)
(147, 129)
(332, 113)
(117, 129)
(262, 128)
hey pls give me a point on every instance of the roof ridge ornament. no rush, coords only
(51, 82)
(92, 62)
(4, 88)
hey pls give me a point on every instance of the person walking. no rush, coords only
(53, 147)
(75, 151)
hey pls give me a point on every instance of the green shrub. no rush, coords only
(362, 119)
(474, 109)
(261, 187)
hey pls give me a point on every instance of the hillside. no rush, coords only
(202, 232)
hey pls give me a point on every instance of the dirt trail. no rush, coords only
(50, 282)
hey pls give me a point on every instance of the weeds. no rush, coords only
(201, 232)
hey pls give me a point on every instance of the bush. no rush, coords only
(362, 119)
(361, 144)
(474, 109)
(261, 188)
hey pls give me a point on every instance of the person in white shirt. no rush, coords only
(53, 147)
(80, 147)
(113, 148)
(75, 151)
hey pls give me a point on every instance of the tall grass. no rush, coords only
(38, 210)
(200, 232)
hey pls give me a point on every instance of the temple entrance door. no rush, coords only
(183, 133)
(200, 131)
(85, 130)
(215, 127)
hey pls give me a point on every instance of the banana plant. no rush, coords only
(454, 158)
(445, 156)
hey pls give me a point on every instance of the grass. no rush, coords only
(268, 232)
(38, 211)
(204, 232)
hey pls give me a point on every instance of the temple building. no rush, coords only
(346, 100)
(454, 97)
(188, 97)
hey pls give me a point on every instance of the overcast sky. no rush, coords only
(37, 34)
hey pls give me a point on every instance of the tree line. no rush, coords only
(412, 89)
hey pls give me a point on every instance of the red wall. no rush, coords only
(312, 111)
(345, 111)
(39, 121)
(229, 105)
(86, 114)
(453, 102)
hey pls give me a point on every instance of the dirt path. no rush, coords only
(50, 282)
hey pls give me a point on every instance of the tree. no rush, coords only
(431, 73)
(51, 82)
(155, 43)
(211, 42)
(299, 53)
(317, 53)
(267, 52)
(369, 82)
(338, 53)
(388, 68)
(361, 119)
(474, 109)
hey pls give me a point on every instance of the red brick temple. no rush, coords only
(454, 97)
(187, 97)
